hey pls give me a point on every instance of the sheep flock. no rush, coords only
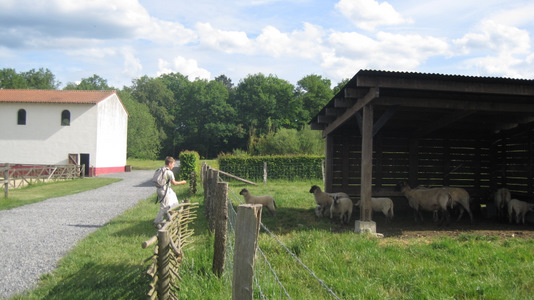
(440, 201)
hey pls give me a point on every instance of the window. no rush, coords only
(21, 117)
(65, 118)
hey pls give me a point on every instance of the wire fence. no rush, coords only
(267, 283)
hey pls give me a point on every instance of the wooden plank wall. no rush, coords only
(478, 165)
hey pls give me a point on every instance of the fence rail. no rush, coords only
(168, 252)
(15, 176)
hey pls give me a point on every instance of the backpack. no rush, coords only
(159, 179)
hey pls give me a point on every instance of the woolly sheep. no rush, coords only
(431, 199)
(460, 196)
(502, 198)
(384, 205)
(324, 200)
(342, 207)
(266, 201)
(521, 208)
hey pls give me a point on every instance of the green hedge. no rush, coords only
(278, 167)
(189, 162)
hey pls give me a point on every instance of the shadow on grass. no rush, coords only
(102, 281)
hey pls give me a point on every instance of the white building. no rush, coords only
(51, 127)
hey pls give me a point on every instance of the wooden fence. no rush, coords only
(168, 252)
(15, 176)
(247, 227)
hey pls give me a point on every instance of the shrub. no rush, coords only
(189, 162)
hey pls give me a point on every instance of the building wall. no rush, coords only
(99, 131)
(112, 127)
(43, 140)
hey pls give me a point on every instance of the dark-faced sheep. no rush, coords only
(324, 200)
(266, 201)
(431, 199)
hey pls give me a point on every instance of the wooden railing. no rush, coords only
(168, 252)
(14, 176)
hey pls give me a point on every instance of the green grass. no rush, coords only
(108, 263)
(42, 191)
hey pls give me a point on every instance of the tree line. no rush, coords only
(262, 114)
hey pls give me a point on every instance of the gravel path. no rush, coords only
(34, 237)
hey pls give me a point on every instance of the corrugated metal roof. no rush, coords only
(54, 96)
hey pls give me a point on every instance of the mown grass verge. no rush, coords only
(108, 263)
(41, 191)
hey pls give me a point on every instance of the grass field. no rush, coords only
(108, 263)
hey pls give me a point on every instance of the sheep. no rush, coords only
(324, 200)
(460, 196)
(341, 206)
(502, 198)
(521, 208)
(266, 201)
(431, 199)
(384, 205)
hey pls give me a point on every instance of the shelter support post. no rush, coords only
(367, 172)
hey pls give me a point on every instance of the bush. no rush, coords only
(189, 162)
(278, 167)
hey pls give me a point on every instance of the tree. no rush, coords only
(9, 79)
(160, 101)
(42, 79)
(94, 83)
(313, 92)
(264, 103)
(206, 121)
(143, 135)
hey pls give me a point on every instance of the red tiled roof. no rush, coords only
(54, 96)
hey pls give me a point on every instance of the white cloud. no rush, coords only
(368, 14)
(224, 41)
(55, 23)
(306, 43)
(187, 67)
(386, 51)
(495, 37)
(132, 66)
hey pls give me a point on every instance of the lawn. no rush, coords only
(109, 263)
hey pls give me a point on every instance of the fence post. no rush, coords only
(265, 172)
(221, 225)
(6, 181)
(214, 178)
(164, 283)
(246, 240)
(323, 171)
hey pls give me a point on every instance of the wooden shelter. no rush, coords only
(431, 130)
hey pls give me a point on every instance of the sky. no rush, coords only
(122, 40)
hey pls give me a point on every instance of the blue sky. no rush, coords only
(121, 40)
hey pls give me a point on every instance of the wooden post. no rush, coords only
(164, 276)
(323, 171)
(329, 164)
(264, 172)
(221, 225)
(6, 181)
(246, 239)
(367, 163)
(214, 179)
